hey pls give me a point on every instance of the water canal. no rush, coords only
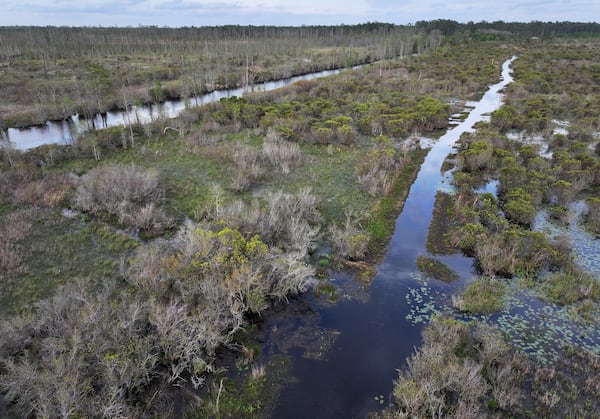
(66, 131)
(363, 340)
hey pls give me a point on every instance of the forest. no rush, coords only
(141, 264)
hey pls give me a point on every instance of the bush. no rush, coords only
(116, 350)
(247, 167)
(378, 172)
(476, 157)
(569, 287)
(130, 193)
(281, 153)
(456, 371)
(14, 228)
(484, 296)
(519, 207)
(79, 355)
(349, 241)
(49, 191)
(289, 221)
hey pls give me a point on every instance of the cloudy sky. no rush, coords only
(286, 12)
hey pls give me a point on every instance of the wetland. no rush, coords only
(303, 251)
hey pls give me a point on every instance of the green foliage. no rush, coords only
(470, 235)
(381, 224)
(436, 269)
(519, 207)
(566, 288)
(476, 157)
(484, 296)
(442, 226)
(505, 118)
(349, 241)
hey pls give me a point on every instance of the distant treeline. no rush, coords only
(513, 29)
(66, 42)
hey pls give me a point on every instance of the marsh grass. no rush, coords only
(570, 287)
(436, 269)
(56, 250)
(484, 296)
(328, 290)
(442, 224)
(252, 393)
(383, 217)
(461, 370)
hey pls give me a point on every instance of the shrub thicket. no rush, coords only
(461, 370)
(131, 193)
(117, 351)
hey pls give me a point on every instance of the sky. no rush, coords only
(176, 13)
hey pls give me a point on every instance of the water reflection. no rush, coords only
(377, 334)
(66, 131)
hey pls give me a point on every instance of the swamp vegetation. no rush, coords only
(137, 262)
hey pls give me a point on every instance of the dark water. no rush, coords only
(372, 335)
(65, 132)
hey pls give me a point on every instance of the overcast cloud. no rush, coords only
(281, 12)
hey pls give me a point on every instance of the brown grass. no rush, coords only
(13, 229)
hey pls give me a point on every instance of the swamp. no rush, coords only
(377, 221)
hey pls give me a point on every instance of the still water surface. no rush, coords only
(66, 131)
(373, 335)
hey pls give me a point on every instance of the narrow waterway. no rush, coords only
(365, 340)
(66, 131)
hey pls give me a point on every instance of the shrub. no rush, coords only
(130, 193)
(468, 236)
(281, 153)
(82, 355)
(349, 241)
(246, 167)
(569, 287)
(14, 227)
(476, 157)
(188, 297)
(456, 371)
(289, 221)
(519, 207)
(484, 296)
(378, 172)
(49, 191)
(563, 192)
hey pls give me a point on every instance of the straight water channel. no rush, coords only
(66, 131)
(361, 341)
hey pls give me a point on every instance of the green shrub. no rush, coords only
(569, 287)
(484, 295)
(592, 217)
(476, 157)
(519, 207)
